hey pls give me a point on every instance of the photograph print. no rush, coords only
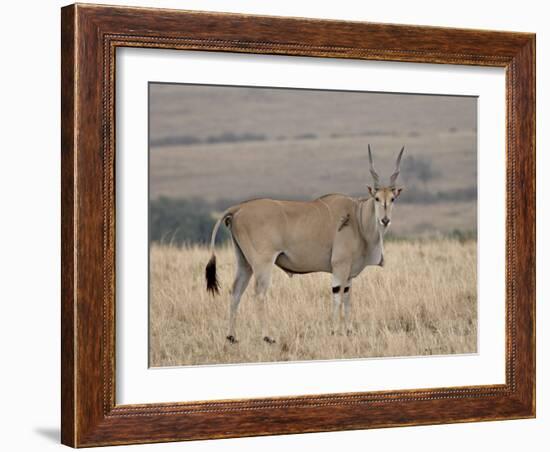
(298, 224)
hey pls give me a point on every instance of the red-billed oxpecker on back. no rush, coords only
(335, 233)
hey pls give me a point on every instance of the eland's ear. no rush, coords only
(371, 190)
(397, 192)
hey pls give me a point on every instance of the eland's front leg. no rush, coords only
(339, 285)
(346, 301)
(336, 302)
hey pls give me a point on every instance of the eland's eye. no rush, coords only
(377, 199)
(393, 199)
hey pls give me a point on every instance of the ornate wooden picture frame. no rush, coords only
(90, 37)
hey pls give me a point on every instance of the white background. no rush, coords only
(136, 383)
(29, 257)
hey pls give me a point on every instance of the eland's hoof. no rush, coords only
(269, 340)
(232, 339)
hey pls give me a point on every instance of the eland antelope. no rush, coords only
(334, 233)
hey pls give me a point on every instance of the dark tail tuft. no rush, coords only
(212, 284)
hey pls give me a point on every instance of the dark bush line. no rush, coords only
(414, 195)
(230, 137)
(175, 141)
(462, 236)
(186, 140)
(181, 221)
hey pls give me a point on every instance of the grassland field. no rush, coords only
(422, 302)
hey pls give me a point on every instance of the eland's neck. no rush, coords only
(368, 224)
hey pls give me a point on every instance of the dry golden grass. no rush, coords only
(422, 302)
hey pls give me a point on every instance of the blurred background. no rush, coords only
(214, 146)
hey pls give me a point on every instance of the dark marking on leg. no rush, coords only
(336, 289)
(232, 339)
(269, 340)
(346, 289)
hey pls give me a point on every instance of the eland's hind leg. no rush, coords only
(242, 278)
(262, 275)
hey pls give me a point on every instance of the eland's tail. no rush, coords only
(212, 283)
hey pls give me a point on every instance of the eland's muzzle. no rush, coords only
(385, 221)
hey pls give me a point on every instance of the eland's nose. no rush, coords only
(385, 221)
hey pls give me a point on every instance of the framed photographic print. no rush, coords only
(281, 225)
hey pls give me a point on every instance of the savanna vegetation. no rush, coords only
(422, 302)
